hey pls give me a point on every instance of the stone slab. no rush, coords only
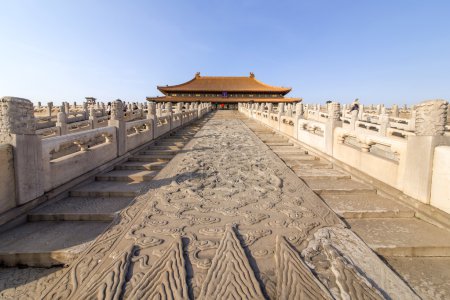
(108, 189)
(47, 243)
(290, 150)
(327, 174)
(366, 206)
(308, 164)
(151, 158)
(127, 175)
(152, 151)
(279, 144)
(137, 165)
(80, 209)
(345, 186)
(300, 157)
(25, 283)
(428, 276)
(402, 236)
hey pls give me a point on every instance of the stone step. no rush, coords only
(328, 174)
(80, 209)
(279, 144)
(301, 157)
(182, 135)
(274, 140)
(428, 276)
(137, 165)
(261, 131)
(169, 147)
(342, 186)
(45, 244)
(152, 151)
(289, 150)
(127, 175)
(151, 158)
(308, 164)
(357, 206)
(172, 142)
(109, 189)
(402, 236)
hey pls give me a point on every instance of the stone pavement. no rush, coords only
(416, 250)
(225, 218)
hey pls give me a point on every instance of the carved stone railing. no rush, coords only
(138, 132)
(67, 157)
(162, 125)
(394, 150)
(41, 165)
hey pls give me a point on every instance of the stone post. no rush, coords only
(280, 113)
(49, 108)
(354, 118)
(117, 120)
(384, 124)
(333, 121)
(85, 110)
(269, 107)
(39, 105)
(61, 122)
(93, 117)
(299, 110)
(360, 112)
(430, 118)
(394, 111)
(280, 109)
(289, 110)
(158, 110)
(74, 105)
(18, 128)
(151, 112)
(169, 113)
(103, 109)
(179, 107)
(66, 108)
(151, 115)
(378, 111)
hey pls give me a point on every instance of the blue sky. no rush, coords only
(379, 51)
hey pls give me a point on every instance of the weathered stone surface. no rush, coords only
(225, 218)
(402, 236)
(428, 276)
(431, 117)
(7, 183)
(222, 181)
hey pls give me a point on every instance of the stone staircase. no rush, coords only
(57, 232)
(412, 247)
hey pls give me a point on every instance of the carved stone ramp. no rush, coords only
(166, 279)
(57, 232)
(294, 278)
(386, 225)
(224, 178)
(230, 275)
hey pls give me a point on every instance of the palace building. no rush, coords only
(224, 92)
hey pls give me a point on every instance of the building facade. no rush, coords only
(224, 92)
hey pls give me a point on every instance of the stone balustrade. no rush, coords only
(394, 146)
(31, 166)
(46, 117)
(69, 156)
